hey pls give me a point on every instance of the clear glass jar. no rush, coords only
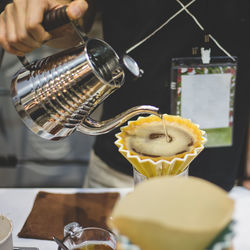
(138, 177)
(94, 238)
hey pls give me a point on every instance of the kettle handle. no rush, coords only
(55, 18)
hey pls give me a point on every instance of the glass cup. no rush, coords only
(89, 238)
(138, 177)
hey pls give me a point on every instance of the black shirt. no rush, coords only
(127, 22)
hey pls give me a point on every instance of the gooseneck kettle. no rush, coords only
(56, 95)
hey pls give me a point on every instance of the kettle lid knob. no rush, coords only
(131, 66)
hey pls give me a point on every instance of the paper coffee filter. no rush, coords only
(158, 166)
(169, 213)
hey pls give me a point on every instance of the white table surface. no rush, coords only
(16, 204)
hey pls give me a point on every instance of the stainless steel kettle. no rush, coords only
(56, 95)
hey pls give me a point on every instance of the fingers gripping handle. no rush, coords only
(52, 20)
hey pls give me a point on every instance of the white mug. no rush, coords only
(6, 242)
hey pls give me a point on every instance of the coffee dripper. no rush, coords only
(56, 95)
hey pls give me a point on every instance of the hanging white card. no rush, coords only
(204, 93)
(206, 99)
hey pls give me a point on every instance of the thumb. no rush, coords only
(77, 9)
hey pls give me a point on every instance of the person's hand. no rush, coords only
(246, 184)
(20, 23)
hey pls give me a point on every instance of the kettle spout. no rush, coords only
(92, 127)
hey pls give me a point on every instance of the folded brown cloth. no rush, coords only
(51, 212)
